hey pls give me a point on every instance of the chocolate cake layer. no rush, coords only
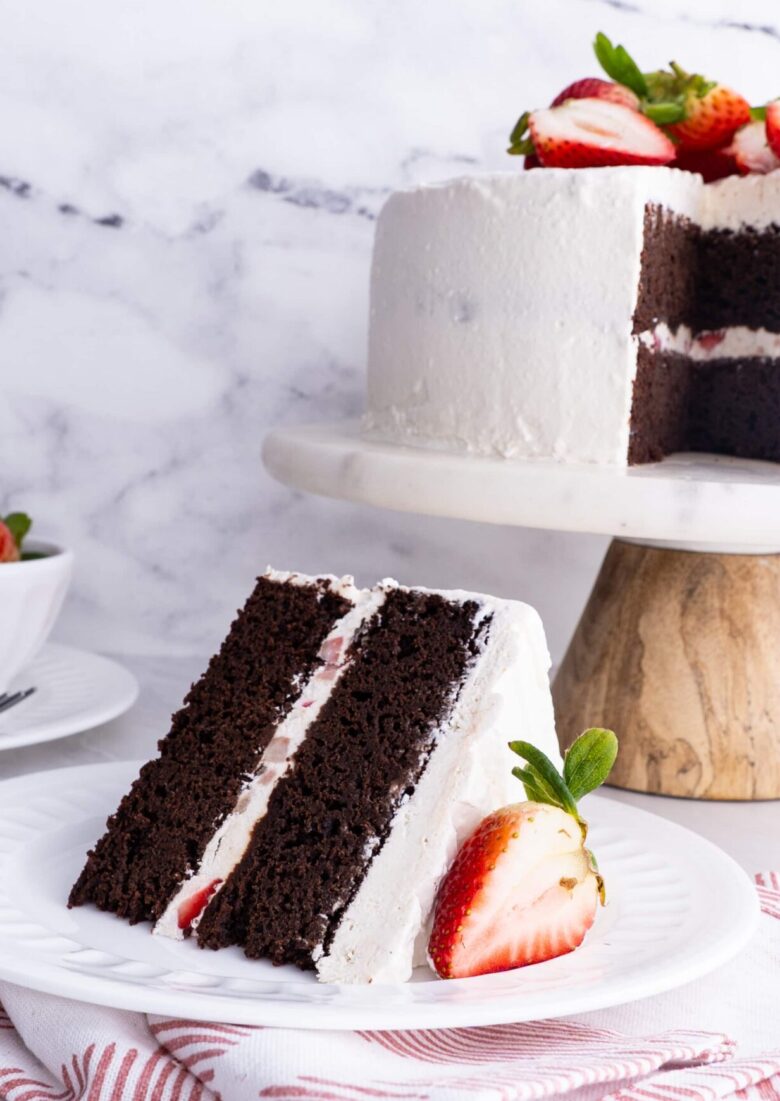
(735, 408)
(707, 279)
(668, 270)
(361, 759)
(659, 409)
(738, 279)
(163, 824)
(726, 406)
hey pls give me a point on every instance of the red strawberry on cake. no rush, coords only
(595, 87)
(590, 133)
(524, 888)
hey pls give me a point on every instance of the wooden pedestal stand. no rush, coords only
(679, 652)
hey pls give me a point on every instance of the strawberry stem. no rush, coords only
(520, 143)
(18, 523)
(587, 764)
(618, 64)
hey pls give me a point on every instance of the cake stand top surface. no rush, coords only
(697, 501)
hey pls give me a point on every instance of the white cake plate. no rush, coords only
(693, 501)
(658, 930)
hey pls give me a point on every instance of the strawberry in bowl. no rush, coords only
(524, 887)
(34, 578)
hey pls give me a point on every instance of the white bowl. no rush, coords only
(31, 595)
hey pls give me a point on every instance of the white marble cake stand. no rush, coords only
(679, 644)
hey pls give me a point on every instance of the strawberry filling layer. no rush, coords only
(196, 904)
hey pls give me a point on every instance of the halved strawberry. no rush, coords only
(772, 119)
(593, 87)
(521, 890)
(523, 887)
(584, 133)
(751, 150)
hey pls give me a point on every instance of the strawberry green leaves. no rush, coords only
(618, 64)
(18, 523)
(520, 143)
(13, 529)
(587, 764)
(545, 779)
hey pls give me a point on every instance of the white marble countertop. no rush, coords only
(748, 831)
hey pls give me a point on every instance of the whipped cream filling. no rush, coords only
(737, 342)
(505, 694)
(229, 843)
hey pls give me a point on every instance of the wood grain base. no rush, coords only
(679, 653)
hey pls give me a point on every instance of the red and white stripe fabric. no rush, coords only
(56, 1050)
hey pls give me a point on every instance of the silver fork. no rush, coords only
(10, 699)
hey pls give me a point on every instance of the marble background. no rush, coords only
(187, 197)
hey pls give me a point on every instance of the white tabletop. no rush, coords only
(748, 831)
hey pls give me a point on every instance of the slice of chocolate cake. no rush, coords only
(315, 786)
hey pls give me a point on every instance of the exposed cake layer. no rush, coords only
(708, 279)
(229, 842)
(361, 759)
(505, 695)
(162, 827)
(725, 405)
(667, 289)
(738, 278)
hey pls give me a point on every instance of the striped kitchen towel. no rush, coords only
(57, 1050)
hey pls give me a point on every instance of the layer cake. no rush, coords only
(318, 780)
(596, 315)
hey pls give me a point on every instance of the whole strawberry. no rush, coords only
(697, 113)
(13, 529)
(524, 888)
(594, 87)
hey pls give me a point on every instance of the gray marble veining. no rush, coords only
(187, 196)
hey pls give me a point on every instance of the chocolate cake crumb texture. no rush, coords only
(164, 823)
(361, 760)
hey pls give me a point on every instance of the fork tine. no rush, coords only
(10, 700)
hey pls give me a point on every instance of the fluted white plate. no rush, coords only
(677, 908)
(74, 691)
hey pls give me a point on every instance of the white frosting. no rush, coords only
(383, 932)
(502, 306)
(737, 341)
(740, 201)
(229, 842)
(343, 586)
